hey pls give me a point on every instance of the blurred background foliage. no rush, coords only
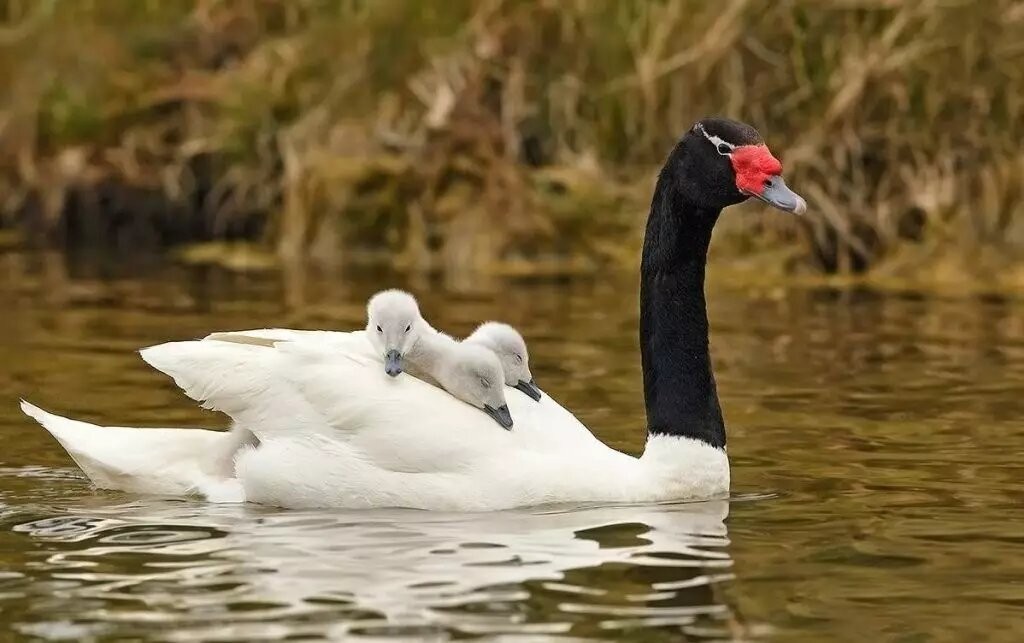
(511, 136)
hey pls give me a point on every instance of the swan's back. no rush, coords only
(331, 385)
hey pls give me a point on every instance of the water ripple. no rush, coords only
(393, 573)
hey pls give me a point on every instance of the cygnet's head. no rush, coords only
(473, 374)
(393, 324)
(510, 347)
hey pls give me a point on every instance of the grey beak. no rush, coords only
(392, 363)
(530, 388)
(500, 415)
(777, 195)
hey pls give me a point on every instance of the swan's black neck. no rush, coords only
(679, 386)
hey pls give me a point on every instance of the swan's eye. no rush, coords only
(408, 328)
(723, 148)
(379, 329)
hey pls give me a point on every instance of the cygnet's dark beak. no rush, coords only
(530, 388)
(500, 415)
(392, 363)
(778, 195)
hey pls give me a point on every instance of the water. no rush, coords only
(875, 443)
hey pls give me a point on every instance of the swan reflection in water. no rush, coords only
(249, 572)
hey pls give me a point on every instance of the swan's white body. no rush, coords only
(335, 431)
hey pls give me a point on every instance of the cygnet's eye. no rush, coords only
(519, 358)
(379, 329)
(484, 383)
(408, 328)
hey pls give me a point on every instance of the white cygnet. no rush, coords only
(408, 343)
(510, 347)
(394, 326)
(470, 373)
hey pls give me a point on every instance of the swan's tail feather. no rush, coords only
(92, 451)
(38, 414)
(64, 429)
(157, 461)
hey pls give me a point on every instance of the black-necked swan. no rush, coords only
(379, 441)
(510, 347)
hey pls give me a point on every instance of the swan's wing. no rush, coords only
(338, 391)
(226, 370)
(265, 336)
(399, 423)
(335, 390)
(248, 380)
(238, 379)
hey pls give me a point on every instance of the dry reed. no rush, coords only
(520, 136)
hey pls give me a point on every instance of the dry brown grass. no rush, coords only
(520, 136)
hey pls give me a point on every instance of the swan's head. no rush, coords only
(510, 347)
(393, 324)
(721, 162)
(473, 374)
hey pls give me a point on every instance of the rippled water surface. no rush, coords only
(876, 444)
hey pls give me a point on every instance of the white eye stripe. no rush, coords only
(717, 141)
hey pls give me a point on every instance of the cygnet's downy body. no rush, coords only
(408, 343)
(510, 348)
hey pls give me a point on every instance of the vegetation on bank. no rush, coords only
(515, 135)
